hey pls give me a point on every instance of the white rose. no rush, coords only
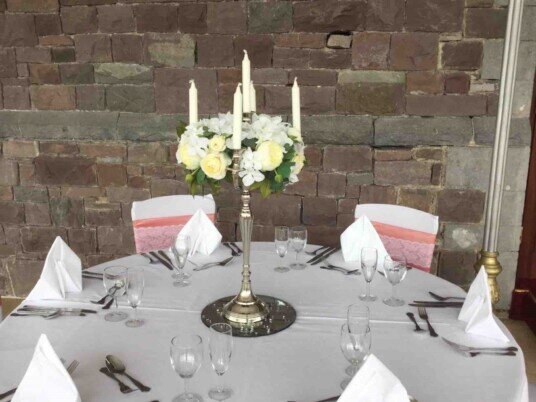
(215, 165)
(270, 154)
(217, 143)
(299, 162)
(187, 157)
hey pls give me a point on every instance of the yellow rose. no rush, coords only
(299, 162)
(215, 165)
(217, 143)
(271, 155)
(191, 161)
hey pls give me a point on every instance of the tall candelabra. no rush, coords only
(248, 314)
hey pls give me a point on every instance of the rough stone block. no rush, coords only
(492, 59)
(93, 48)
(402, 173)
(116, 19)
(290, 57)
(332, 185)
(347, 158)
(370, 50)
(301, 40)
(44, 74)
(111, 175)
(514, 203)
(147, 153)
(39, 239)
(227, 17)
(424, 82)
(329, 16)
(460, 205)
(67, 212)
(63, 55)
(56, 40)
(457, 267)
(462, 55)
(126, 194)
(32, 6)
(370, 98)
(313, 77)
(65, 170)
(420, 199)
(446, 105)
(372, 194)
(33, 55)
(330, 58)
(259, 48)
(339, 41)
(171, 90)
(385, 15)
(307, 186)
(434, 15)
(457, 83)
(463, 236)
(215, 51)
(270, 17)
(8, 63)
(276, 210)
(528, 28)
(18, 30)
(319, 211)
(83, 241)
(170, 50)
(339, 130)
(130, 98)
(466, 167)
(77, 73)
(485, 23)
(120, 73)
(127, 48)
(9, 172)
(57, 147)
(24, 274)
(16, 98)
(20, 149)
(53, 97)
(414, 51)
(392, 154)
(136, 127)
(90, 98)
(37, 214)
(79, 20)
(156, 18)
(410, 131)
(102, 214)
(193, 18)
(11, 213)
(47, 24)
(520, 132)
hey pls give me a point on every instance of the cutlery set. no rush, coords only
(235, 250)
(323, 255)
(423, 315)
(115, 366)
(49, 313)
(476, 351)
(70, 369)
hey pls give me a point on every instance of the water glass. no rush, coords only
(395, 269)
(135, 286)
(281, 245)
(355, 345)
(358, 320)
(220, 349)
(115, 283)
(180, 251)
(298, 240)
(369, 262)
(186, 356)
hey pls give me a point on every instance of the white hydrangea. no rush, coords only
(268, 128)
(250, 167)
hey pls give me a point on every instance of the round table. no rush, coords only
(301, 363)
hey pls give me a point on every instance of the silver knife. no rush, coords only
(327, 250)
(325, 256)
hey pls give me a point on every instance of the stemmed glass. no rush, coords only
(186, 355)
(355, 345)
(281, 245)
(180, 251)
(369, 261)
(395, 271)
(135, 286)
(358, 320)
(221, 349)
(115, 283)
(298, 239)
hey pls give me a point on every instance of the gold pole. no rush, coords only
(493, 268)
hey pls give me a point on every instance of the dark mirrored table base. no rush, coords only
(282, 315)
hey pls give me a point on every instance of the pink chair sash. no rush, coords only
(159, 233)
(417, 247)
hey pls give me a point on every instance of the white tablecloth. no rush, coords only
(302, 363)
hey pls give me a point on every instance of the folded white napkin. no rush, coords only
(361, 234)
(477, 311)
(204, 236)
(46, 380)
(61, 273)
(374, 382)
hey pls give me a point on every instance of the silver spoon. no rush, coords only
(116, 366)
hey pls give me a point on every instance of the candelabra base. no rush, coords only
(279, 316)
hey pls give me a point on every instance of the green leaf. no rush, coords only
(181, 128)
(266, 188)
(249, 143)
(284, 169)
(200, 177)
(193, 188)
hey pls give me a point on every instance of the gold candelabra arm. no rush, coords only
(235, 168)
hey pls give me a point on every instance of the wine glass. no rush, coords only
(298, 240)
(186, 355)
(355, 345)
(220, 349)
(115, 283)
(135, 286)
(369, 261)
(281, 245)
(395, 269)
(180, 251)
(358, 320)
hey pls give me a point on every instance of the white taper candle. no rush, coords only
(192, 102)
(296, 118)
(237, 118)
(246, 78)
(253, 97)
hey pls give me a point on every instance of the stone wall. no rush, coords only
(398, 99)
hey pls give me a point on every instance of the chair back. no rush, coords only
(156, 222)
(404, 231)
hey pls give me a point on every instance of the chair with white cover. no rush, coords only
(157, 221)
(404, 231)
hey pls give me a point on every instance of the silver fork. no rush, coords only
(424, 316)
(70, 369)
(214, 264)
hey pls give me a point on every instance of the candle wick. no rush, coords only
(245, 52)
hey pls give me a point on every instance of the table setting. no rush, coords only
(200, 319)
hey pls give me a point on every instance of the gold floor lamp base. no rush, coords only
(493, 268)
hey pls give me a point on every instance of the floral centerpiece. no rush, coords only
(272, 153)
